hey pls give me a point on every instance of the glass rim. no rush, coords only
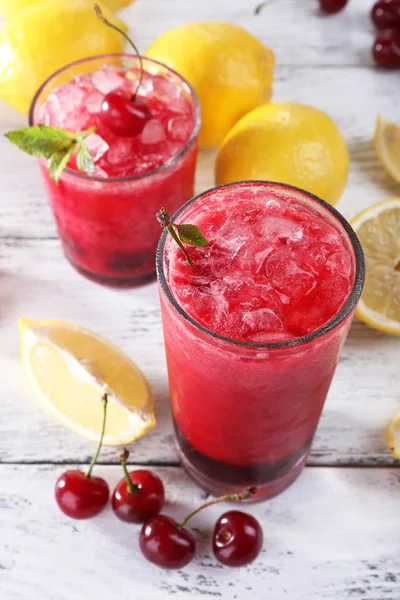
(171, 161)
(334, 322)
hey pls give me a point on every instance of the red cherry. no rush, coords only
(144, 501)
(79, 496)
(332, 6)
(124, 115)
(386, 13)
(237, 539)
(386, 50)
(166, 544)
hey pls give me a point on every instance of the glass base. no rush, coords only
(218, 478)
(116, 282)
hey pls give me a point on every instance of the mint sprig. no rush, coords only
(182, 234)
(55, 144)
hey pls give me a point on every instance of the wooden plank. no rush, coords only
(342, 39)
(331, 535)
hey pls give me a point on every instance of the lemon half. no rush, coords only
(387, 146)
(70, 367)
(378, 228)
(393, 435)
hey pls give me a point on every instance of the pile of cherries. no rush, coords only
(385, 15)
(139, 497)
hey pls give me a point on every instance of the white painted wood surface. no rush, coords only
(334, 534)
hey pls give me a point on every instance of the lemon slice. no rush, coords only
(378, 228)
(70, 367)
(393, 435)
(387, 146)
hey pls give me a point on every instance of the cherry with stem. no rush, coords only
(125, 114)
(168, 544)
(81, 495)
(139, 495)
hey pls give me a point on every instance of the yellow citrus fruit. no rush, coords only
(46, 36)
(230, 69)
(290, 143)
(378, 229)
(393, 435)
(387, 146)
(9, 8)
(70, 368)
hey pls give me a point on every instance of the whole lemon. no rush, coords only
(9, 8)
(45, 37)
(230, 69)
(290, 143)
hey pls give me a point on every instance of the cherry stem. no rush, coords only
(109, 24)
(165, 221)
(123, 457)
(260, 7)
(238, 497)
(104, 399)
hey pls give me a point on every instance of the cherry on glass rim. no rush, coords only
(139, 495)
(81, 495)
(237, 538)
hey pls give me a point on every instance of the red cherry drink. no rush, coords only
(253, 330)
(106, 220)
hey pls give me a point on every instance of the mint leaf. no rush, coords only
(190, 234)
(84, 160)
(59, 161)
(41, 140)
(55, 144)
(187, 234)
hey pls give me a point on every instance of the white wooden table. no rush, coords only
(335, 533)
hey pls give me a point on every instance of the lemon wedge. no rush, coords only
(393, 435)
(378, 228)
(387, 146)
(70, 367)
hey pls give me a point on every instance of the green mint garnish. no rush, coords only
(182, 234)
(55, 144)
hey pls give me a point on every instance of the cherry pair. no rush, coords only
(385, 15)
(137, 497)
(237, 538)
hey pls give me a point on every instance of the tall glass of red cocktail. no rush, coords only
(106, 220)
(254, 329)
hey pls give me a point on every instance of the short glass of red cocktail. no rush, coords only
(106, 220)
(254, 329)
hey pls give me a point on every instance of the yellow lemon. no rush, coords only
(378, 229)
(70, 368)
(9, 8)
(230, 69)
(387, 146)
(290, 143)
(46, 36)
(393, 435)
